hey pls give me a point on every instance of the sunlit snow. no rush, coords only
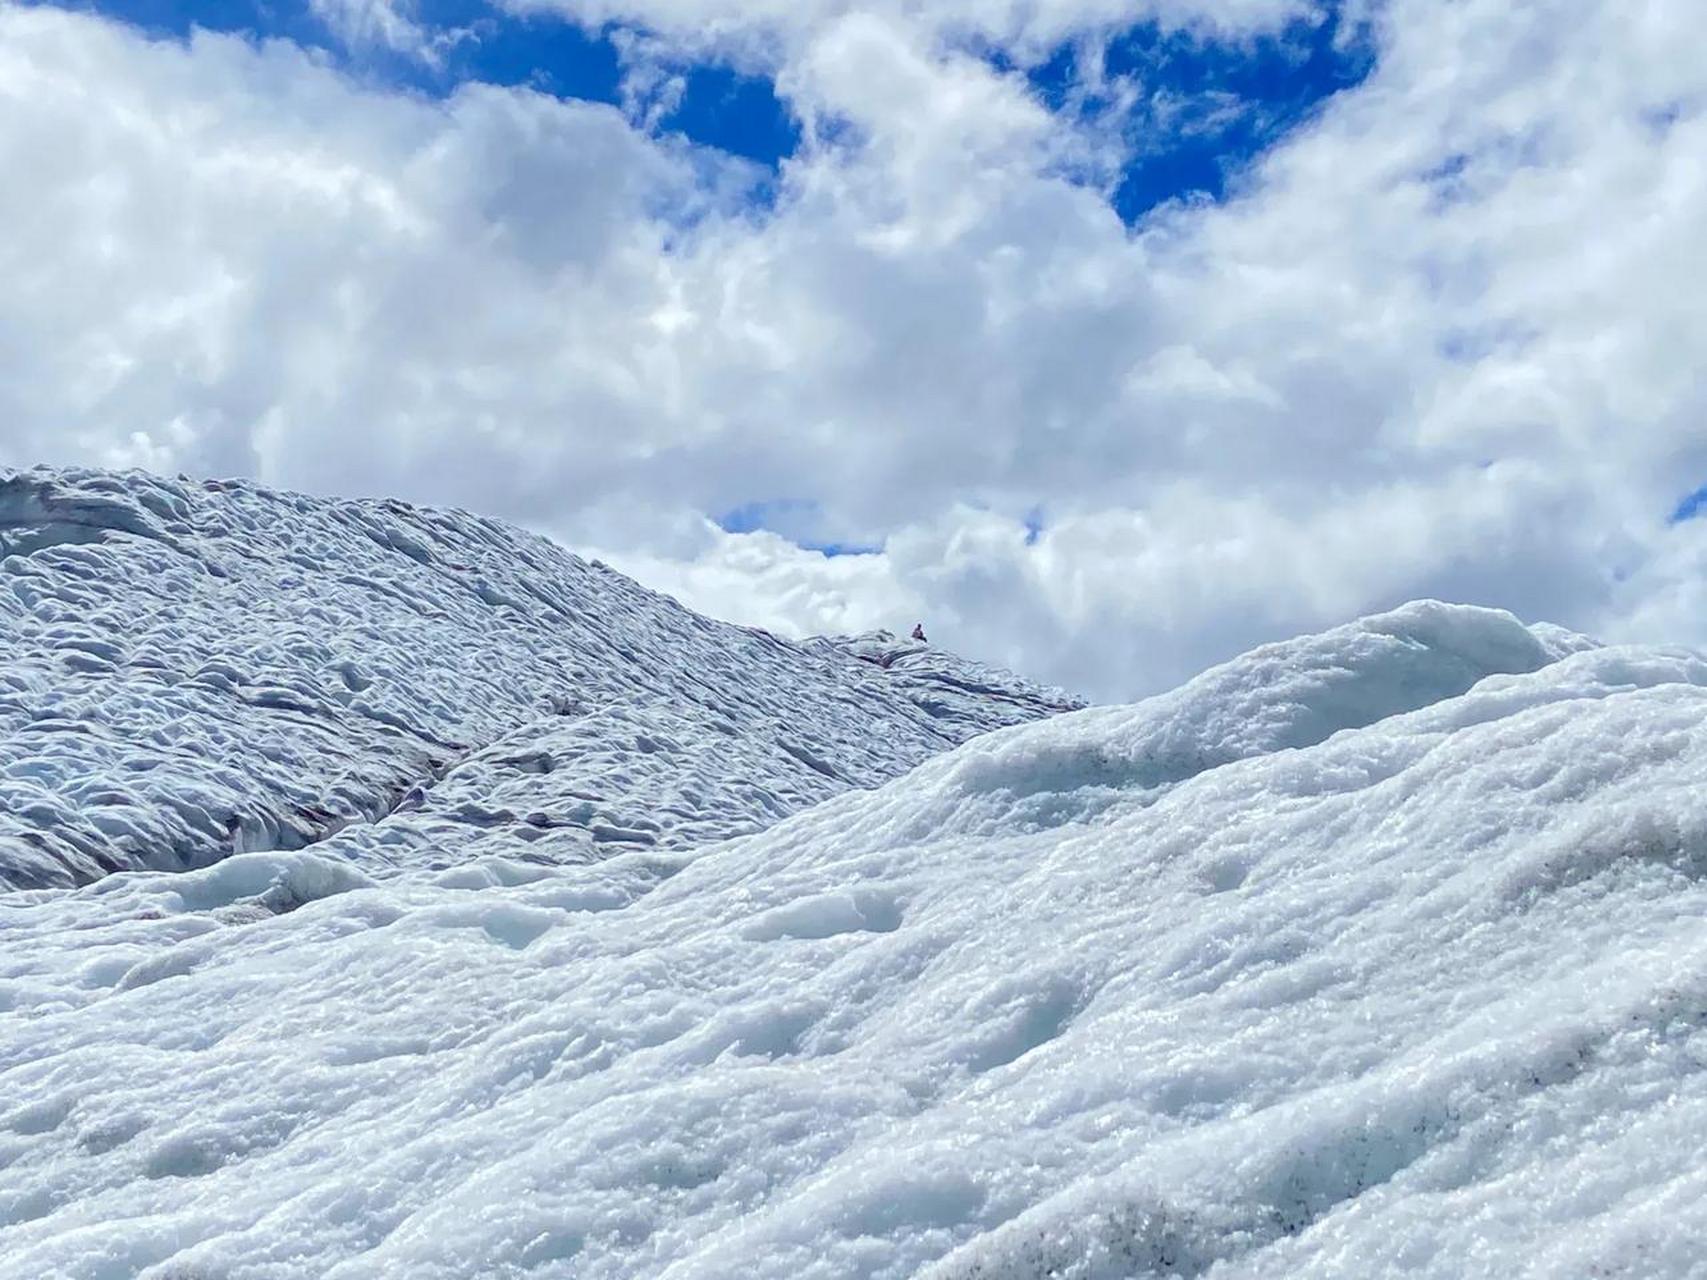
(1382, 951)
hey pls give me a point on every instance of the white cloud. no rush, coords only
(1443, 340)
(386, 24)
(768, 31)
(394, 26)
(764, 580)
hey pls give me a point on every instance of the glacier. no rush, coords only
(1373, 952)
(195, 670)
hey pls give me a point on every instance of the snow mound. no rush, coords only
(1278, 697)
(1376, 952)
(195, 670)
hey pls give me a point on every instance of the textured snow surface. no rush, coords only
(1382, 951)
(191, 670)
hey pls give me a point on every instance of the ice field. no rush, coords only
(192, 670)
(485, 915)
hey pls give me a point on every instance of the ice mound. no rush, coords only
(194, 670)
(1286, 695)
(1377, 952)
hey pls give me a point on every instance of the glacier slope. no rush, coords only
(1380, 951)
(191, 670)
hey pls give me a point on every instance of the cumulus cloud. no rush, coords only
(1441, 339)
(767, 581)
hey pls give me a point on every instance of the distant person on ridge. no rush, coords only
(919, 632)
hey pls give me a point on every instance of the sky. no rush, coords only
(1105, 338)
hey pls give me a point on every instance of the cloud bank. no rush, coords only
(1442, 338)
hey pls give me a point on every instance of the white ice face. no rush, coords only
(1373, 952)
(192, 671)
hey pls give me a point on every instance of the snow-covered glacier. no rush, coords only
(1377, 952)
(195, 670)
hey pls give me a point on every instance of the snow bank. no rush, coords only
(1375, 952)
(1287, 695)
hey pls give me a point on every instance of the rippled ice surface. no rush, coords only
(192, 670)
(1375, 952)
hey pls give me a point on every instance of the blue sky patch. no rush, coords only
(843, 548)
(538, 51)
(794, 519)
(1204, 108)
(736, 113)
(177, 17)
(750, 517)
(1033, 526)
(1692, 506)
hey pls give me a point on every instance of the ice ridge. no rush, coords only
(192, 670)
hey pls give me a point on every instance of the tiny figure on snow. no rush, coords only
(919, 632)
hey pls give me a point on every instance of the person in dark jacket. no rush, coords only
(919, 632)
